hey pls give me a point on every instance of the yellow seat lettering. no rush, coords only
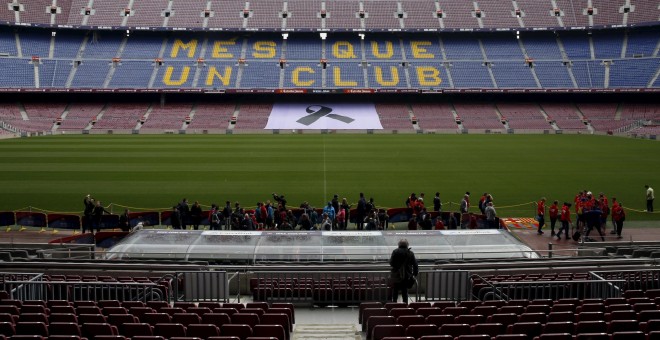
(394, 76)
(190, 47)
(428, 76)
(387, 54)
(264, 49)
(219, 49)
(343, 50)
(183, 77)
(419, 51)
(225, 77)
(295, 76)
(336, 72)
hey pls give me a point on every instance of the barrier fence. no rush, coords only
(324, 287)
(84, 291)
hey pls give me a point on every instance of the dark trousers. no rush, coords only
(541, 222)
(399, 287)
(359, 222)
(649, 205)
(596, 226)
(553, 221)
(564, 228)
(619, 227)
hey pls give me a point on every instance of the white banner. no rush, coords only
(286, 116)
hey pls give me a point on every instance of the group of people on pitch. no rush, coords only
(592, 213)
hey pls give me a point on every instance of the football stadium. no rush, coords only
(329, 169)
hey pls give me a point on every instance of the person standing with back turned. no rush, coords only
(404, 268)
(650, 196)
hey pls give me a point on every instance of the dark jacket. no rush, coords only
(403, 261)
(175, 219)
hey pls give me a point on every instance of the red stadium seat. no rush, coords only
(108, 303)
(91, 318)
(561, 316)
(559, 327)
(455, 330)
(169, 330)
(186, 318)
(156, 318)
(492, 329)
(382, 331)
(633, 335)
(533, 317)
(591, 327)
(532, 329)
(202, 331)
(378, 320)
(91, 330)
(250, 319)
(33, 317)
(418, 331)
(62, 317)
(31, 328)
(240, 331)
(7, 328)
(64, 328)
(505, 319)
(136, 329)
(440, 320)
(426, 311)
(407, 320)
(225, 310)
(470, 319)
(198, 310)
(272, 331)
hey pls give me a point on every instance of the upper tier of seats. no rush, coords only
(330, 15)
(35, 58)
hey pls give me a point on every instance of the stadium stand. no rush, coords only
(478, 116)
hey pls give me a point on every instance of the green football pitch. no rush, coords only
(54, 173)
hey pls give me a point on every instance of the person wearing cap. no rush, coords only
(540, 214)
(565, 220)
(650, 196)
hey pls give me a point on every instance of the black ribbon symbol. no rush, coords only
(323, 111)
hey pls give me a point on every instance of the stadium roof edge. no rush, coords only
(337, 30)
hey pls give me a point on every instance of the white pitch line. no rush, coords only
(325, 182)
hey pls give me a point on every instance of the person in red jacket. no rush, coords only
(553, 212)
(540, 214)
(565, 220)
(618, 215)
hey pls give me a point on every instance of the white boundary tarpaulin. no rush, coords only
(320, 116)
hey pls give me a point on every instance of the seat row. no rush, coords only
(383, 328)
(107, 307)
(550, 336)
(508, 319)
(495, 328)
(132, 330)
(518, 307)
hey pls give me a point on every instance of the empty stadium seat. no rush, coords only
(92, 329)
(492, 329)
(454, 330)
(64, 328)
(31, 328)
(202, 331)
(136, 329)
(169, 330)
(418, 331)
(382, 331)
(240, 331)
